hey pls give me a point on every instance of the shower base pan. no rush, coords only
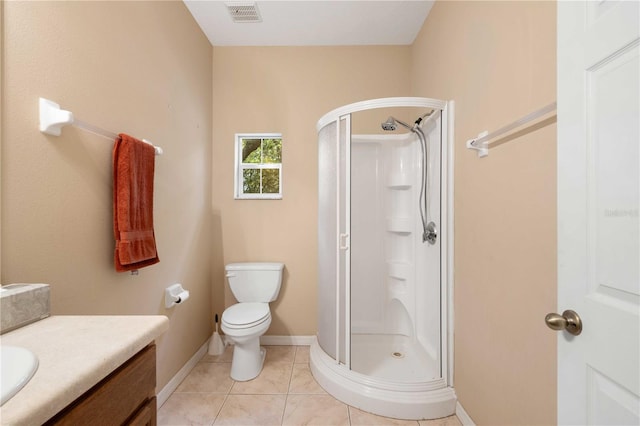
(391, 357)
(431, 399)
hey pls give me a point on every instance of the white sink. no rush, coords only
(17, 367)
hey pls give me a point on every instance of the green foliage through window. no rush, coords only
(260, 166)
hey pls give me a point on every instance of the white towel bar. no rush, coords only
(480, 143)
(53, 119)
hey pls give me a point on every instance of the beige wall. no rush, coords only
(287, 89)
(497, 61)
(141, 68)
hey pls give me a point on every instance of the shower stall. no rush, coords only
(384, 341)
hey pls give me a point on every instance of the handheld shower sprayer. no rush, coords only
(429, 229)
(422, 117)
(392, 124)
(389, 125)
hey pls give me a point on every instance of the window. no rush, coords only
(258, 166)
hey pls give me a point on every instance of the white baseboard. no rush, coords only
(175, 381)
(287, 340)
(463, 416)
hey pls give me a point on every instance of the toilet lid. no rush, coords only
(244, 315)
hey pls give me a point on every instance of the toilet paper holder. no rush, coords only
(175, 294)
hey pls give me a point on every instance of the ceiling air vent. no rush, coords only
(244, 12)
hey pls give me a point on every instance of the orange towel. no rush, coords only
(133, 167)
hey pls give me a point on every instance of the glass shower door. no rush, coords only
(333, 238)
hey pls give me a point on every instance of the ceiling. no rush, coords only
(314, 23)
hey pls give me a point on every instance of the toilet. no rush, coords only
(254, 285)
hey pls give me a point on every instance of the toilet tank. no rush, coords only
(255, 282)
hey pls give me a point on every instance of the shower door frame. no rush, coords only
(446, 232)
(343, 254)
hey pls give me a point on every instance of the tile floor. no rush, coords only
(285, 393)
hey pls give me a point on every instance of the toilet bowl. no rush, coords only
(254, 285)
(244, 323)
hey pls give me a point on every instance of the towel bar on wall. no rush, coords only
(53, 119)
(480, 142)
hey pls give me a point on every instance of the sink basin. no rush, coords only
(17, 367)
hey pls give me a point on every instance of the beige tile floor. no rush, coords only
(285, 393)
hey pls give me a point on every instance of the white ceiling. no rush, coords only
(314, 23)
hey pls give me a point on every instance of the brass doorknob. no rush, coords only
(569, 321)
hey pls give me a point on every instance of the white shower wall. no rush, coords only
(395, 277)
(367, 241)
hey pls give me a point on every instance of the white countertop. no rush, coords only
(74, 353)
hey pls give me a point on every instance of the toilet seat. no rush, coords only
(245, 315)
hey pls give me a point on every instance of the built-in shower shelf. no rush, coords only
(399, 181)
(399, 270)
(400, 225)
(399, 185)
(397, 287)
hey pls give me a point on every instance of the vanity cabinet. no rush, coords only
(125, 397)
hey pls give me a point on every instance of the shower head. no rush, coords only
(392, 124)
(389, 125)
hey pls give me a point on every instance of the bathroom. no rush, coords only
(147, 69)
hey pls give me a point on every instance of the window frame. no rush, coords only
(240, 167)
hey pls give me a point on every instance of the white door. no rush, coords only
(598, 219)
